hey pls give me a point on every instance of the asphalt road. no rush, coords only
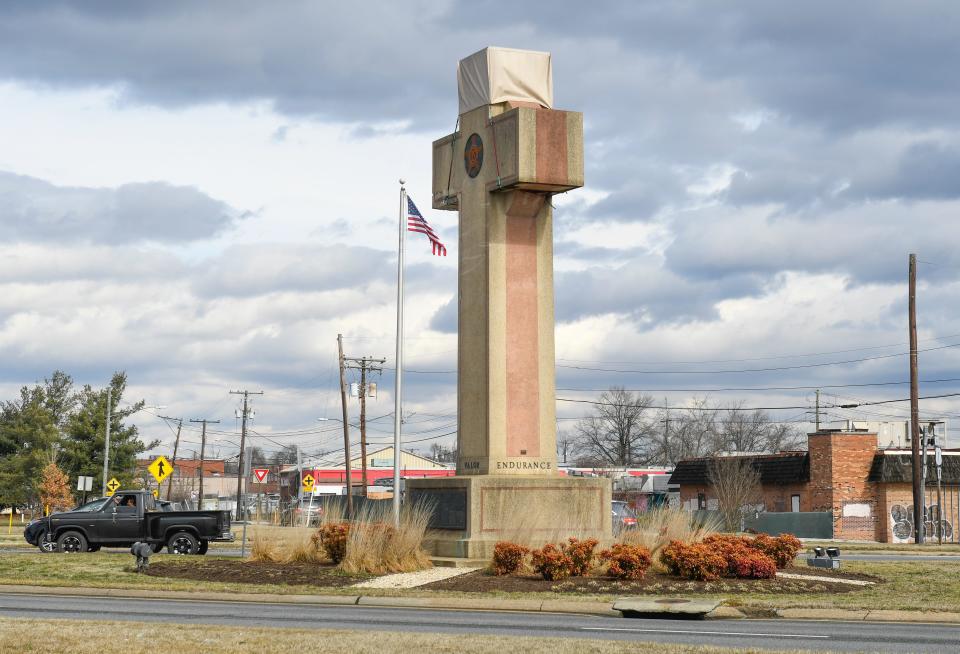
(771, 634)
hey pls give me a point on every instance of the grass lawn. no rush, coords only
(908, 585)
(81, 637)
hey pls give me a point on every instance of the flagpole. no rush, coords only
(398, 386)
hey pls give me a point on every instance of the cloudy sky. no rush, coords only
(205, 194)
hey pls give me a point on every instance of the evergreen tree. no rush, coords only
(29, 440)
(86, 433)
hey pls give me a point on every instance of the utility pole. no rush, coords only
(243, 441)
(915, 405)
(817, 421)
(346, 429)
(203, 447)
(106, 448)
(364, 364)
(176, 446)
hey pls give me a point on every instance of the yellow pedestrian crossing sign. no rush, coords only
(112, 486)
(308, 482)
(160, 468)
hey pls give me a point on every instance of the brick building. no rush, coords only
(867, 489)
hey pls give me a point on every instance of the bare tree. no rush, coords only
(736, 483)
(703, 429)
(620, 430)
(685, 433)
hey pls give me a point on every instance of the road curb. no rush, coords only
(472, 604)
(462, 604)
(876, 615)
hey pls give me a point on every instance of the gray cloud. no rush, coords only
(250, 270)
(35, 210)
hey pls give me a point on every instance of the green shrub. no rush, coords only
(508, 557)
(627, 561)
(551, 563)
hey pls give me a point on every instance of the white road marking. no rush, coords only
(695, 632)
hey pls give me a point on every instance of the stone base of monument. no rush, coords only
(472, 513)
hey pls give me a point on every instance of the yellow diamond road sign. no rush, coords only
(156, 494)
(112, 486)
(308, 482)
(160, 468)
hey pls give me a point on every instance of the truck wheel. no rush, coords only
(45, 546)
(182, 542)
(204, 545)
(71, 542)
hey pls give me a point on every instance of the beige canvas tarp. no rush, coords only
(502, 75)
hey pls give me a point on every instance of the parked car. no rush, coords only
(126, 518)
(305, 511)
(623, 517)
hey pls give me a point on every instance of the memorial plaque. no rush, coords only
(449, 506)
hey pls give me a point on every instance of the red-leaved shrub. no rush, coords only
(627, 561)
(551, 562)
(783, 549)
(693, 561)
(580, 553)
(508, 557)
(752, 564)
(333, 539)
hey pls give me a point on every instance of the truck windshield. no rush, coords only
(95, 505)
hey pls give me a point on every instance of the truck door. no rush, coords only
(125, 527)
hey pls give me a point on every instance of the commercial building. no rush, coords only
(866, 489)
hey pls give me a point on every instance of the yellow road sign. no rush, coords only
(156, 494)
(308, 482)
(160, 468)
(112, 486)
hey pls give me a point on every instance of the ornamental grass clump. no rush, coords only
(626, 561)
(508, 557)
(375, 546)
(551, 562)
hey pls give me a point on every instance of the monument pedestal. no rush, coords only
(472, 513)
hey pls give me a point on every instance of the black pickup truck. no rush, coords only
(125, 518)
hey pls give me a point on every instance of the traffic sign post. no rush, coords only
(160, 468)
(84, 484)
(112, 486)
(308, 483)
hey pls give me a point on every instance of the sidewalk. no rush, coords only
(474, 604)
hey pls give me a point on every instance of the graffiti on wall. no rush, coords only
(934, 524)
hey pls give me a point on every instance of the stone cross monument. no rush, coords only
(510, 153)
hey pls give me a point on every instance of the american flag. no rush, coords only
(417, 223)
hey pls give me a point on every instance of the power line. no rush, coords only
(743, 370)
(759, 388)
(766, 358)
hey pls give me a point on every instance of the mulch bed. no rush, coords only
(255, 572)
(654, 583)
